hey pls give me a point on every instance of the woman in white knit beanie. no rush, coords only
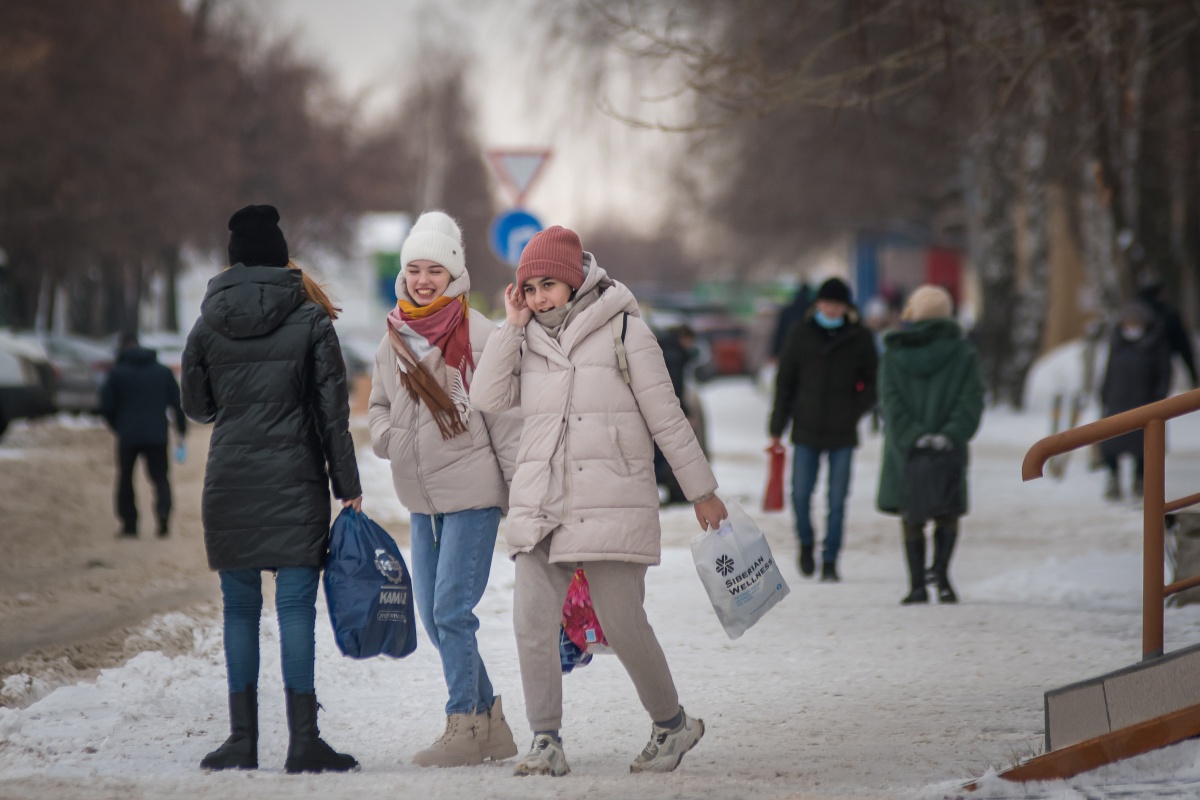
(450, 467)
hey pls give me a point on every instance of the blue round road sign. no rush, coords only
(510, 231)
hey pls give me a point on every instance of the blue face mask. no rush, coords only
(829, 323)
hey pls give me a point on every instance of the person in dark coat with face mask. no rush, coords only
(1138, 372)
(824, 386)
(263, 363)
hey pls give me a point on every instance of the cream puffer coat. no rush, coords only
(585, 468)
(432, 475)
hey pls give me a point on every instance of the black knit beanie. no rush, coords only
(834, 289)
(255, 239)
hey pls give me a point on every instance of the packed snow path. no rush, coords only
(838, 692)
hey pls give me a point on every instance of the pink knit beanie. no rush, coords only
(553, 253)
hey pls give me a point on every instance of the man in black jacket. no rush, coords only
(825, 384)
(135, 399)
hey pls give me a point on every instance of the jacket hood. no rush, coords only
(924, 348)
(243, 302)
(137, 356)
(612, 298)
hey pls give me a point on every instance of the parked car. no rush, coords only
(81, 365)
(27, 380)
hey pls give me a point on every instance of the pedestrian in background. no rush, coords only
(595, 394)
(789, 315)
(679, 350)
(824, 386)
(931, 394)
(135, 400)
(451, 468)
(1175, 334)
(263, 362)
(1138, 372)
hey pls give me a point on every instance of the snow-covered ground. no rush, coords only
(838, 692)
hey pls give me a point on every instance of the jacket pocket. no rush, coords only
(620, 456)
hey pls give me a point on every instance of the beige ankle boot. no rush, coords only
(495, 737)
(458, 747)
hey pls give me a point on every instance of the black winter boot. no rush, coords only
(829, 572)
(945, 534)
(307, 751)
(914, 552)
(240, 750)
(807, 565)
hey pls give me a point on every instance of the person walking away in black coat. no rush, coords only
(1176, 336)
(1138, 372)
(263, 363)
(679, 349)
(134, 400)
(789, 315)
(825, 384)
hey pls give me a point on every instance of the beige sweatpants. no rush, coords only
(618, 592)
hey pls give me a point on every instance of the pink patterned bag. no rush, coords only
(579, 618)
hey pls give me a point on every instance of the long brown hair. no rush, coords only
(316, 292)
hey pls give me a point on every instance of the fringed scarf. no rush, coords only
(433, 357)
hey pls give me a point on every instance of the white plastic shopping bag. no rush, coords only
(738, 571)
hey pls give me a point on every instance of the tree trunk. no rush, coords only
(170, 270)
(992, 243)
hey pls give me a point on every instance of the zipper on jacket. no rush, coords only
(417, 453)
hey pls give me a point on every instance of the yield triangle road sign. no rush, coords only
(518, 168)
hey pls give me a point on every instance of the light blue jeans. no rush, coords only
(296, 607)
(451, 562)
(806, 462)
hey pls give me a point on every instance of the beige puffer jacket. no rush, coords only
(585, 468)
(432, 475)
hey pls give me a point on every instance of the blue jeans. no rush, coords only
(296, 607)
(451, 562)
(806, 462)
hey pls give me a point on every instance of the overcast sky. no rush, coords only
(599, 169)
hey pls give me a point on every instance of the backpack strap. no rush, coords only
(619, 326)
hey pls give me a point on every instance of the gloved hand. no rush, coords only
(935, 441)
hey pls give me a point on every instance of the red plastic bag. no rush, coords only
(773, 496)
(579, 618)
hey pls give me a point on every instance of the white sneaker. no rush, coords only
(666, 747)
(545, 757)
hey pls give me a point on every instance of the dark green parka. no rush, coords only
(825, 383)
(929, 383)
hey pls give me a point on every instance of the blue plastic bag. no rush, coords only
(369, 590)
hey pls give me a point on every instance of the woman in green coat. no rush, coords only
(931, 395)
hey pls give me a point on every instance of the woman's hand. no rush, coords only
(710, 512)
(356, 504)
(516, 313)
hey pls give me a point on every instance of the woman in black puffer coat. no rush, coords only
(263, 363)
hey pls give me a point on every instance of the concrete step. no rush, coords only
(1124, 698)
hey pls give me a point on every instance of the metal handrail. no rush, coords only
(1151, 418)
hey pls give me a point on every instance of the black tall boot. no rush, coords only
(914, 553)
(807, 565)
(307, 751)
(240, 750)
(945, 534)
